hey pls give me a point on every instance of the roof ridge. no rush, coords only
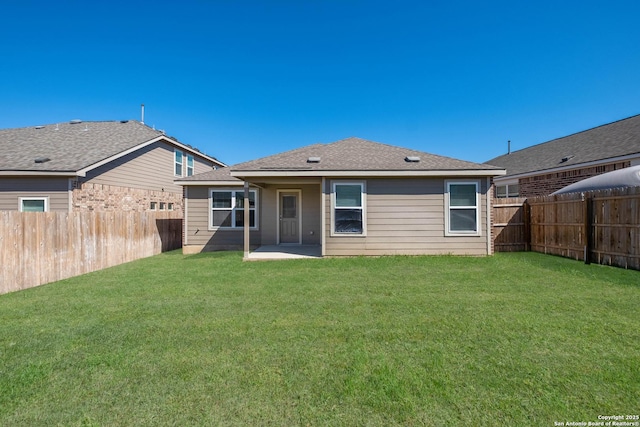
(567, 136)
(412, 150)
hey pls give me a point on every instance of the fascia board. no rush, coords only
(211, 183)
(38, 173)
(369, 173)
(83, 171)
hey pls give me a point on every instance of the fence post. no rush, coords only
(586, 200)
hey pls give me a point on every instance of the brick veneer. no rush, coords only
(542, 185)
(98, 197)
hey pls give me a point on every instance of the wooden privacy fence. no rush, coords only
(42, 247)
(510, 225)
(597, 226)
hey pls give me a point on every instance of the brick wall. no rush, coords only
(543, 185)
(99, 197)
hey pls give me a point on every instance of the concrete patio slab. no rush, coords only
(275, 252)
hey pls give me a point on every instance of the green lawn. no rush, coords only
(515, 339)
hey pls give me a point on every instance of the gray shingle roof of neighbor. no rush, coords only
(356, 154)
(608, 141)
(71, 146)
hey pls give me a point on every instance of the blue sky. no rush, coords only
(245, 79)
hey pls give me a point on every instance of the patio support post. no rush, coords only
(246, 220)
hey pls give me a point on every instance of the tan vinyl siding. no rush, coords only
(201, 165)
(406, 216)
(311, 215)
(197, 231)
(55, 189)
(150, 168)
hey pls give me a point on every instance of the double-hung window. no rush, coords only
(34, 204)
(462, 214)
(227, 208)
(178, 162)
(348, 208)
(189, 164)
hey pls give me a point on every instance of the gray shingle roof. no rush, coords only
(356, 154)
(608, 141)
(221, 174)
(69, 146)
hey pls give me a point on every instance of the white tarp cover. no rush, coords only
(627, 177)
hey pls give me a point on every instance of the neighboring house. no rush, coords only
(101, 166)
(544, 168)
(350, 197)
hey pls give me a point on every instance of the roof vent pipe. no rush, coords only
(509, 147)
(142, 113)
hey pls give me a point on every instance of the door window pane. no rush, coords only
(289, 207)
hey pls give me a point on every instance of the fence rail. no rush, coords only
(42, 247)
(598, 226)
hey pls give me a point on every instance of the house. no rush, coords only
(102, 166)
(350, 197)
(544, 168)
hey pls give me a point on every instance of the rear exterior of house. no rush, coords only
(352, 197)
(95, 166)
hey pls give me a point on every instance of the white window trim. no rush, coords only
(44, 198)
(191, 168)
(448, 208)
(175, 162)
(363, 190)
(233, 191)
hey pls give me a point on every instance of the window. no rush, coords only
(162, 205)
(510, 190)
(189, 165)
(462, 214)
(178, 163)
(348, 208)
(34, 204)
(170, 206)
(153, 206)
(227, 208)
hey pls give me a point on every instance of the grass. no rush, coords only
(514, 339)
